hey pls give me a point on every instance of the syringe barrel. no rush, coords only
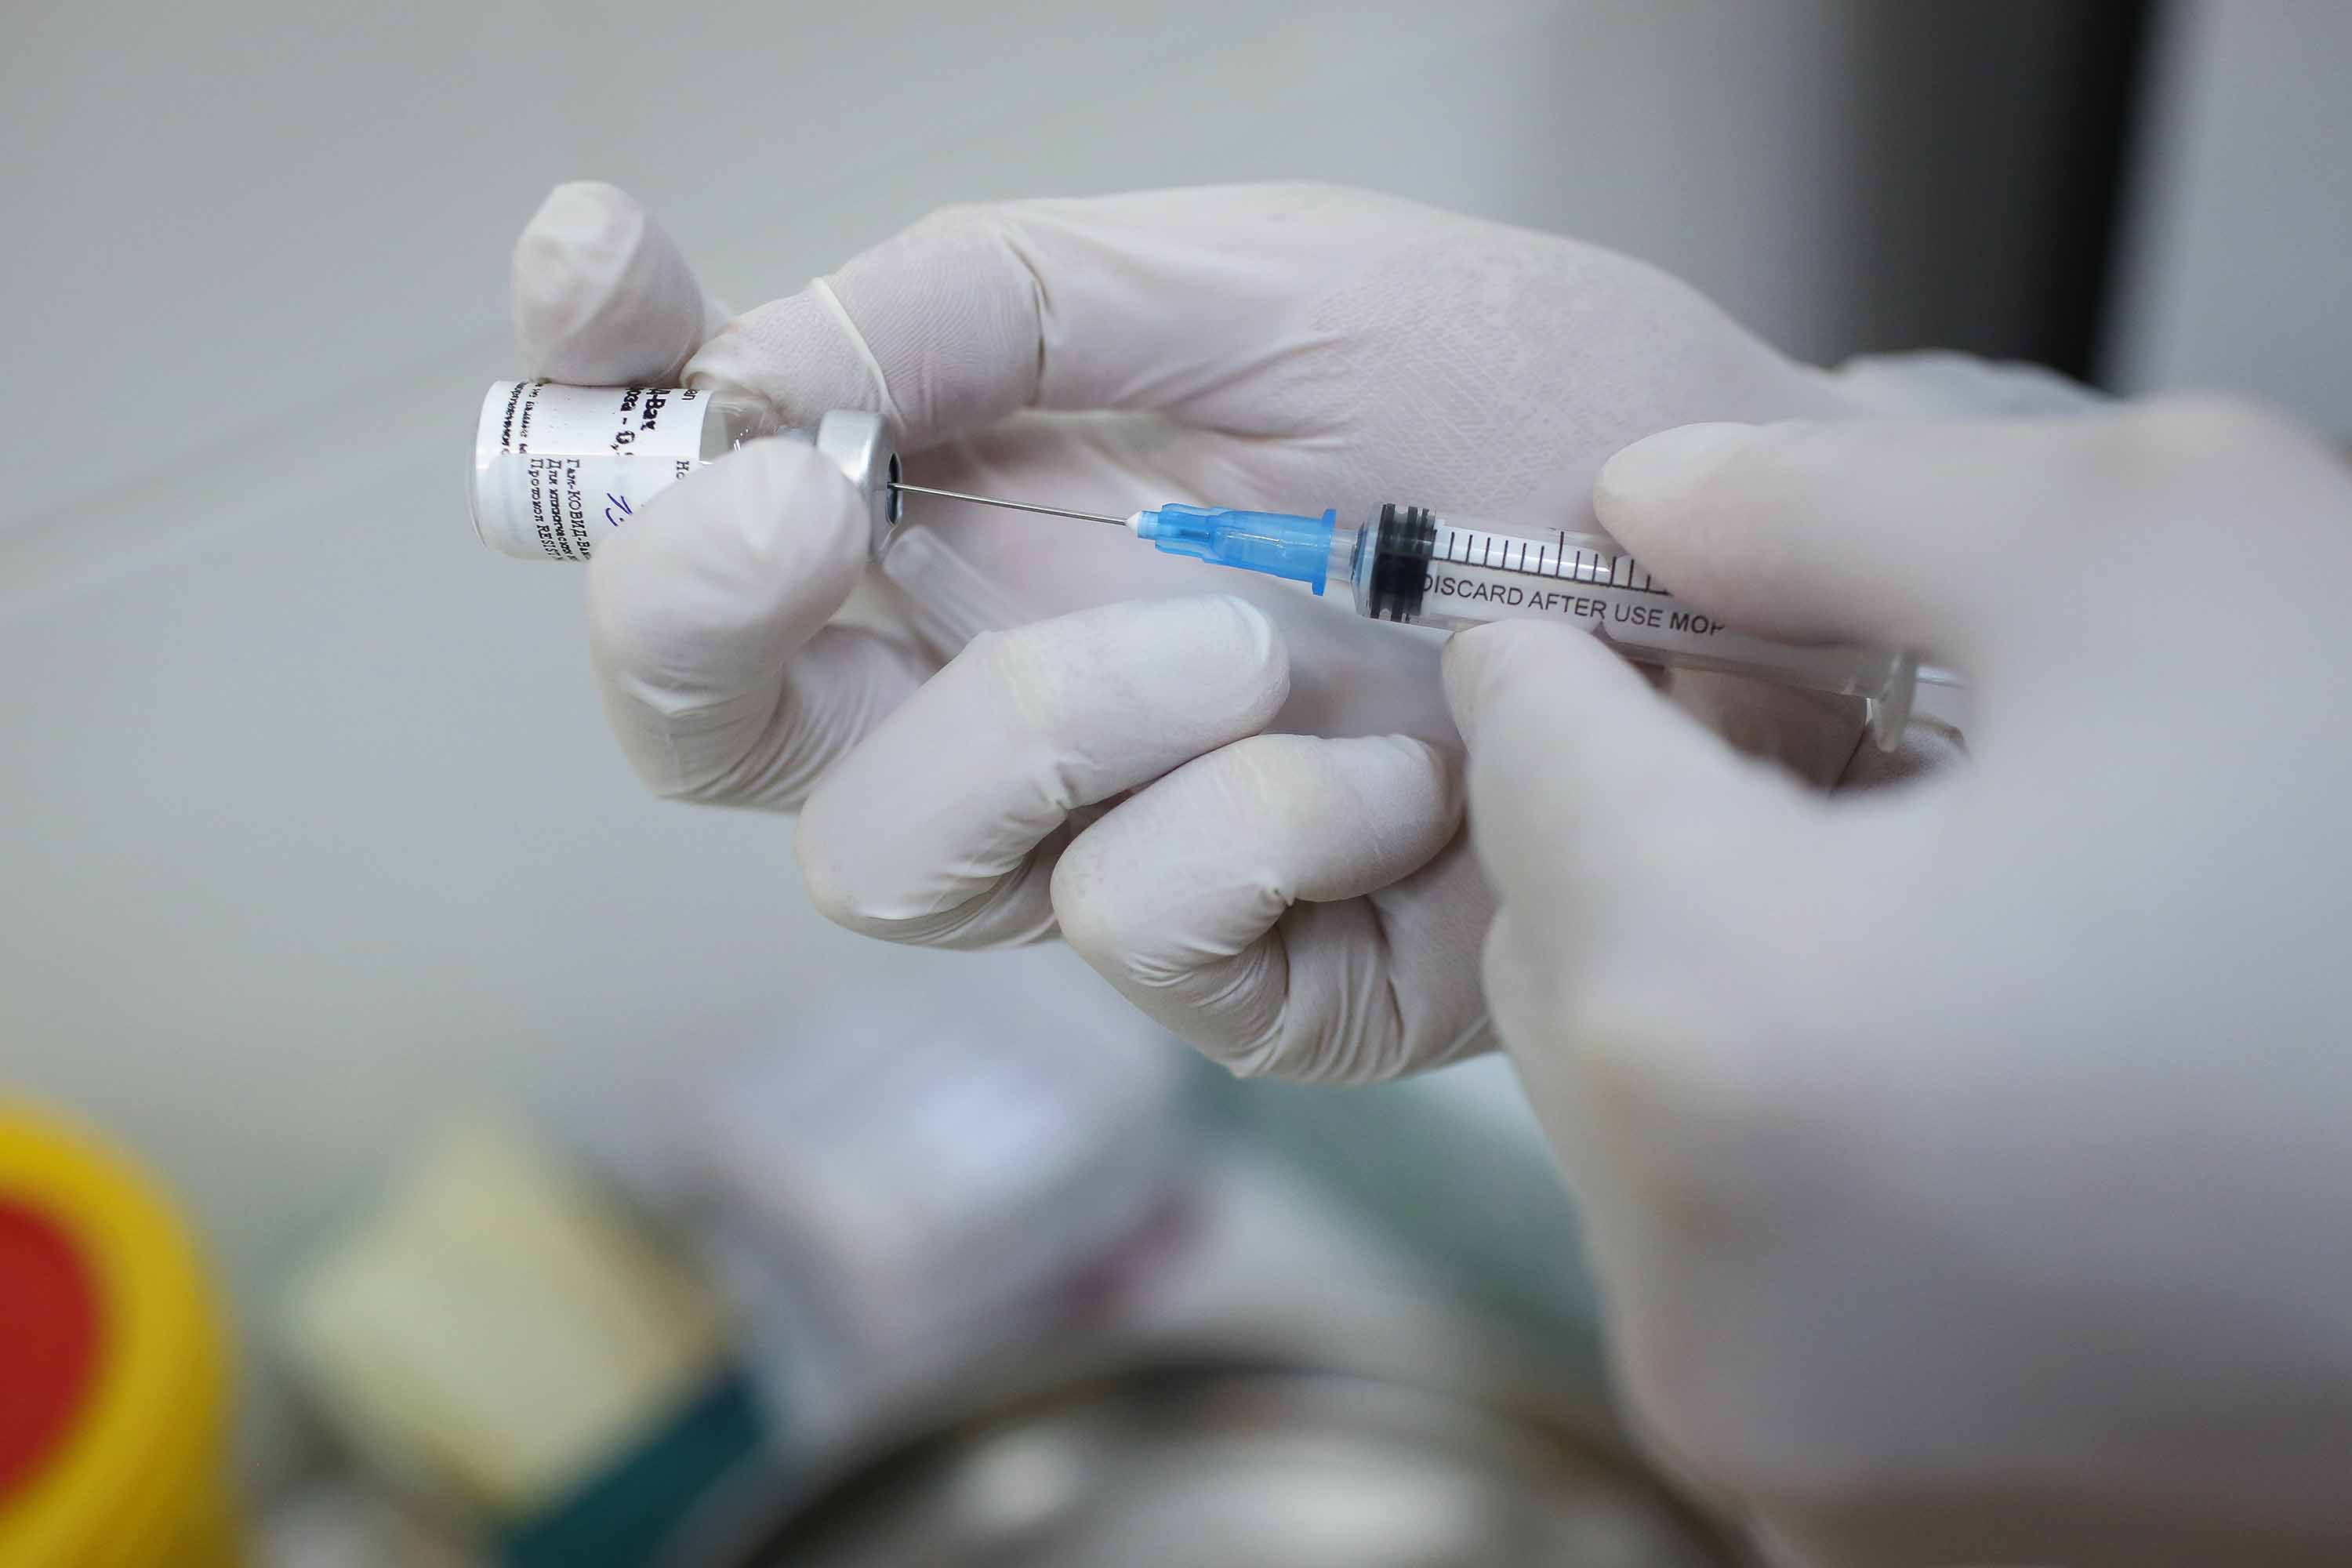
(1411, 566)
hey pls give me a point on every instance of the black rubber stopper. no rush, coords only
(1401, 547)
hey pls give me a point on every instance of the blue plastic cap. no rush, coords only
(1274, 543)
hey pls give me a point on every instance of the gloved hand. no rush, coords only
(1965, 1163)
(1296, 901)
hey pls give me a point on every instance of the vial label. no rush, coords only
(557, 468)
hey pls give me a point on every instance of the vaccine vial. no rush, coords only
(558, 467)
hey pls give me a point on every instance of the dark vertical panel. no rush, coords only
(1993, 138)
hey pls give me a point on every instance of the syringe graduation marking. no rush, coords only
(1475, 547)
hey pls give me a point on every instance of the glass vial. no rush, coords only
(557, 468)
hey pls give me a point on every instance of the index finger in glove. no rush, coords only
(1293, 906)
(602, 296)
(942, 827)
(1183, 301)
(1934, 533)
(707, 630)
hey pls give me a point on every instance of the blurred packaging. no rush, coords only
(885, 1192)
(923, 1179)
(114, 1369)
(500, 1339)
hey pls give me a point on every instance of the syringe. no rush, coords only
(1415, 567)
(556, 467)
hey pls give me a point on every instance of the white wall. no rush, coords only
(2238, 255)
(312, 828)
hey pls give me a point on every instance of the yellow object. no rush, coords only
(138, 1478)
(497, 1331)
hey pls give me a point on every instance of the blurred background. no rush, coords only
(544, 1180)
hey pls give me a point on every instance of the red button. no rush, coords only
(48, 1340)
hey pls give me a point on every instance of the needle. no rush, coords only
(1011, 505)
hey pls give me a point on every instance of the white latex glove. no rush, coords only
(1299, 903)
(1967, 1165)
